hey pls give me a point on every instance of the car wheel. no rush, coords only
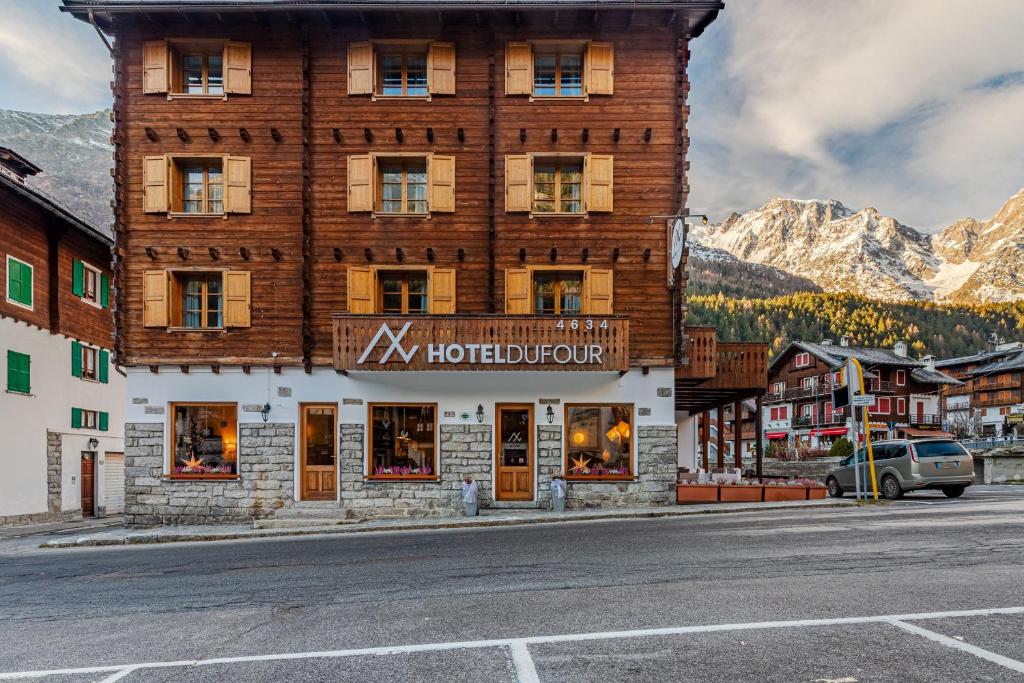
(891, 488)
(834, 489)
(953, 491)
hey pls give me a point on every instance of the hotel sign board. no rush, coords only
(489, 343)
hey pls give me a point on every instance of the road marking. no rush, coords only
(526, 672)
(518, 645)
(1012, 664)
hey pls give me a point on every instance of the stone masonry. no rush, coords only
(54, 473)
(266, 457)
(655, 482)
(549, 461)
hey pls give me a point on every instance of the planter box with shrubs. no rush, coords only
(741, 493)
(696, 493)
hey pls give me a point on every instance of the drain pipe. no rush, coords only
(92, 20)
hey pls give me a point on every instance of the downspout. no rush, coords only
(92, 20)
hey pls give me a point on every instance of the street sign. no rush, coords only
(864, 400)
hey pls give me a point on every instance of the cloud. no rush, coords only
(50, 62)
(909, 107)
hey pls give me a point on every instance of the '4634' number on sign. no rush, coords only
(586, 324)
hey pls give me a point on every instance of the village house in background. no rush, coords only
(798, 408)
(62, 405)
(989, 402)
(362, 252)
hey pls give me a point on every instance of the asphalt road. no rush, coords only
(253, 601)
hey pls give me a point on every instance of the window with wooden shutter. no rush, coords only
(600, 69)
(517, 291)
(599, 174)
(104, 290)
(442, 183)
(518, 176)
(155, 67)
(18, 372)
(442, 291)
(104, 421)
(104, 366)
(238, 68)
(155, 184)
(76, 418)
(155, 298)
(360, 182)
(76, 359)
(237, 298)
(77, 278)
(598, 287)
(238, 185)
(518, 69)
(19, 282)
(360, 68)
(362, 288)
(441, 69)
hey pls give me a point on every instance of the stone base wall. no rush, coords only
(799, 469)
(655, 483)
(266, 454)
(1000, 465)
(549, 461)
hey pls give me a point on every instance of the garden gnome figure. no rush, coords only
(470, 491)
(557, 492)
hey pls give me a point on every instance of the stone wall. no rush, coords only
(655, 482)
(266, 457)
(549, 461)
(1000, 465)
(799, 469)
(54, 473)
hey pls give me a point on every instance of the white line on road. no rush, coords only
(526, 672)
(514, 643)
(1012, 664)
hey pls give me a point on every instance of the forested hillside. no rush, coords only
(941, 330)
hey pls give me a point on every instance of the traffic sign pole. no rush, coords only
(867, 433)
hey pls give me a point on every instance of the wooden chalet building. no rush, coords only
(367, 249)
(798, 404)
(989, 402)
(62, 403)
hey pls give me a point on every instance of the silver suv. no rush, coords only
(906, 465)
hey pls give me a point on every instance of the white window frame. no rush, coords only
(901, 378)
(802, 360)
(91, 353)
(901, 406)
(7, 284)
(90, 419)
(778, 387)
(807, 410)
(99, 279)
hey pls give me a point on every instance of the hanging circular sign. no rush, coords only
(678, 241)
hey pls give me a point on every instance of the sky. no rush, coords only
(913, 107)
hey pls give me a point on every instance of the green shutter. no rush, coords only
(19, 282)
(77, 278)
(76, 359)
(104, 290)
(18, 375)
(104, 421)
(76, 418)
(104, 360)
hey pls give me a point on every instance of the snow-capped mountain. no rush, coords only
(862, 251)
(74, 152)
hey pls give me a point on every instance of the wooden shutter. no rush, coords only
(237, 185)
(76, 418)
(77, 278)
(517, 291)
(155, 67)
(76, 359)
(238, 68)
(518, 182)
(360, 182)
(599, 173)
(155, 184)
(442, 291)
(237, 298)
(598, 292)
(104, 290)
(600, 69)
(155, 298)
(362, 287)
(360, 68)
(103, 372)
(442, 183)
(104, 421)
(441, 68)
(518, 69)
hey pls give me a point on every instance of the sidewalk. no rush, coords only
(86, 524)
(487, 518)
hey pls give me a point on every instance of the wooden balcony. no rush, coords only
(480, 342)
(719, 373)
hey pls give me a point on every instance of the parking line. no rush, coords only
(1012, 664)
(520, 655)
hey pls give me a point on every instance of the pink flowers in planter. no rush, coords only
(205, 469)
(425, 470)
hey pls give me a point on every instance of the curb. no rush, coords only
(159, 538)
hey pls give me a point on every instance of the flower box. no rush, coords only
(697, 493)
(784, 492)
(741, 493)
(816, 492)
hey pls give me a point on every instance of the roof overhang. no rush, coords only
(54, 209)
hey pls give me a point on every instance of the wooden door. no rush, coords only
(920, 412)
(514, 453)
(88, 484)
(318, 462)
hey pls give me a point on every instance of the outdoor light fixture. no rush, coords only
(265, 412)
(480, 413)
(94, 442)
(551, 415)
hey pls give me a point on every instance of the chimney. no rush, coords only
(900, 349)
(844, 341)
(929, 362)
(826, 342)
(15, 166)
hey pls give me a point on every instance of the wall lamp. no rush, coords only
(93, 443)
(551, 415)
(265, 413)
(480, 413)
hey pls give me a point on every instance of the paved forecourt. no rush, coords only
(978, 644)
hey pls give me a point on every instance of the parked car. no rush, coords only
(907, 465)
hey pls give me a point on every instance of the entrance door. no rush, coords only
(319, 448)
(514, 456)
(920, 412)
(88, 484)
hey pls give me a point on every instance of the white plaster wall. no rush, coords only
(686, 437)
(24, 420)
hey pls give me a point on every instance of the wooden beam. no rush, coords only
(720, 440)
(737, 434)
(758, 436)
(706, 438)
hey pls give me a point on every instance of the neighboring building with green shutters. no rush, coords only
(61, 398)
